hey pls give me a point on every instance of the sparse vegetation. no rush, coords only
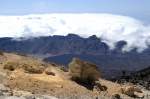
(1, 52)
(33, 68)
(84, 73)
(63, 68)
(11, 65)
(27, 67)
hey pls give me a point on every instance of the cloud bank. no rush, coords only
(111, 28)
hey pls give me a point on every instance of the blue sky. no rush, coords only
(139, 9)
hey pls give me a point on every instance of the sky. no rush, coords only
(110, 20)
(138, 9)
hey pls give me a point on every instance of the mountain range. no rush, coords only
(61, 49)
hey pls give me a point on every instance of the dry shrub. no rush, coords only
(1, 53)
(33, 68)
(26, 66)
(11, 66)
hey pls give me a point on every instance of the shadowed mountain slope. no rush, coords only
(61, 49)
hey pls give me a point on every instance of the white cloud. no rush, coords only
(111, 28)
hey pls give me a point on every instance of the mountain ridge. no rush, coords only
(61, 49)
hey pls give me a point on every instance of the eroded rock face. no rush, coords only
(83, 71)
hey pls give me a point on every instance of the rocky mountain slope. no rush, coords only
(141, 77)
(24, 77)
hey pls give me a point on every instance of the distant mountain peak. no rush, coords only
(94, 37)
(120, 44)
(72, 35)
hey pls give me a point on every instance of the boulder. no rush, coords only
(49, 71)
(5, 91)
(132, 91)
(116, 96)
(83, 71)
(99, 87)
(138, 94)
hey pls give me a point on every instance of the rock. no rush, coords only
(115, 96)
(9, 93)
(139, 94)
(11, 97)
(21, 93)
(40, 97)
(83, 71)
(99, 87)
(132, 91)
(3, 88)
(48, 71)
(5, 91)
(28, 97)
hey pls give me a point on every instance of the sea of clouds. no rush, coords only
(110, 28)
